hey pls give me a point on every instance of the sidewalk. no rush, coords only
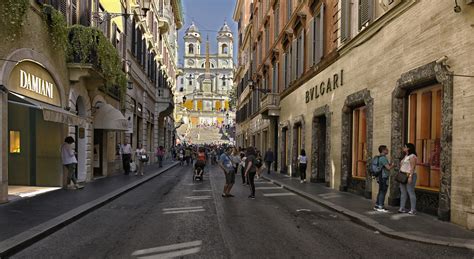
(422, 227)
(26, 220)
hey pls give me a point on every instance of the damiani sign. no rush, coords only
(325, 87)
(36, 84)
(33, 80)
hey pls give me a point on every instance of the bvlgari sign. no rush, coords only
(325, 87)
(32, 80)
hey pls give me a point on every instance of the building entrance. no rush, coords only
(319, 149)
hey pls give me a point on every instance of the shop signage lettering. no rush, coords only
(33, 80)
(36, 84)
(325, 87)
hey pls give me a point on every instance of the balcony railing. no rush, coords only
(270, 105)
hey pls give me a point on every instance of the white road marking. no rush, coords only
(183, 211)
(278, 194)
(269, 188)
(167, 248)
(183, 208)
(173, 254)
(263, 183)
(202, 190)
(205, 197)
(299, 210)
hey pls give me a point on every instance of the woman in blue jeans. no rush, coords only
(408, 166)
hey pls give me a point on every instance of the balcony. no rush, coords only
(165, 101)
(270, 105)
(91, 56)
(165, 17)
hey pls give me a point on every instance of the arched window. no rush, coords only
(191, 49)
(225, 49)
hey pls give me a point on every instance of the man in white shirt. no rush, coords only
(126, 152)
(69, 160)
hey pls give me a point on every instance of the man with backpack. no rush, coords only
(380, 169)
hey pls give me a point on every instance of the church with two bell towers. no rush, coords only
(206, 81)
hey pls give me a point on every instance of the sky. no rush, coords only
(209, 16)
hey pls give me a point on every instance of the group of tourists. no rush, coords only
(249, 163)
(135, 161)
(406, 177)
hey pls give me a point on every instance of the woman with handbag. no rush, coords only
(302, 162)
(142, 158)
(408, 183)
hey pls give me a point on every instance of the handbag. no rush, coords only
(401, 177)
(144, 158)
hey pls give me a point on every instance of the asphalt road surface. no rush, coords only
(170, 216)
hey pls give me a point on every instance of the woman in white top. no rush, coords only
(141, 158)
(302, 160)
(408, 166)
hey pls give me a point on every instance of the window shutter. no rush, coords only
(114, 36)
(345, 19)
(301, 57)
(365, 12)
(285, 69)
(63, 8)
(321, 34)
(293, 60)
(310, 48)
(73, 11)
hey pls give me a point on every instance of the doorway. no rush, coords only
(98, 152)
(320, 151)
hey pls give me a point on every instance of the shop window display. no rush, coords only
(15, 142)
(424, 130)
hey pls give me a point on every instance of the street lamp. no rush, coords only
(253, 88)
(145, 6)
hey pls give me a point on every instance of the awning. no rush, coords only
(50, 112)
(108, 117)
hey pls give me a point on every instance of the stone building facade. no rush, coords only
(390, 72)
(82, 99)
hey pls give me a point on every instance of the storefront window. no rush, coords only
(14, 142)
(359, 142)
(424, 124)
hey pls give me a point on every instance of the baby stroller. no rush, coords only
(198, 171)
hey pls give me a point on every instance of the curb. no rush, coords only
(12, 245)
(372, 224)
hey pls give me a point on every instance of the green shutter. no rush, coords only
(345, 19)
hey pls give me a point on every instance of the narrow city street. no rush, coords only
(170, 216)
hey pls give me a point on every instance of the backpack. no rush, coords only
(375, 170)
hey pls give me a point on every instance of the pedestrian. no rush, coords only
(408, 167)
(227, 166)
(302, 160)
(69, 160)
(251, 170)
(126, 152)
(269, 158)
(160, 154)
(382, 179)
(235, 158)
(243, 158)
(259, 164)
(142, 157)
(187, 155)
